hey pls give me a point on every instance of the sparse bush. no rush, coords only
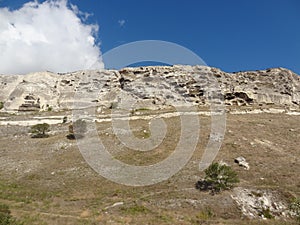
(135, 209)
(5, 216)
(79, 126)
(49, 108)
(217, 178)
(40, 130)
(205, 214)
(71, 135)
(65, 119)
(295, 208)
(266, 213)
(77, 129)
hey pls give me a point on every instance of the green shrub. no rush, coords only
(5, 219)
(217, 178)
(5, 216)
(1, 105)
(295, 208)
(266, 213)
(40, 130)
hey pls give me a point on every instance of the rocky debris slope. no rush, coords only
(152, 87)
(260, 203)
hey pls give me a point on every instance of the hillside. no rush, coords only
(254, 115)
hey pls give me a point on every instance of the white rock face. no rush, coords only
(153, 87)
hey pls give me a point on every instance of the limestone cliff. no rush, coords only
(152, 87)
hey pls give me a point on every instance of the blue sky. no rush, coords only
(232, 35)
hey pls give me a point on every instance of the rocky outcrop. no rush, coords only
(264, 204)
(152, 87)
(241, 161)
(30, 104)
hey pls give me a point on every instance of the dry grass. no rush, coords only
(47, 181)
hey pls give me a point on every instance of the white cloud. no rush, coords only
(121, 23)
(47, 36)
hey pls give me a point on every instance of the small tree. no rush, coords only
(1, 105)
(40, 130)
(217, 178)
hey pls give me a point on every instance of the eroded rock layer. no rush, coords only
(152, 87)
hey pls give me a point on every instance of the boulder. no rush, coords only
(241, 161)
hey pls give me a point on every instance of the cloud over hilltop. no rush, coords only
(47, 36)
